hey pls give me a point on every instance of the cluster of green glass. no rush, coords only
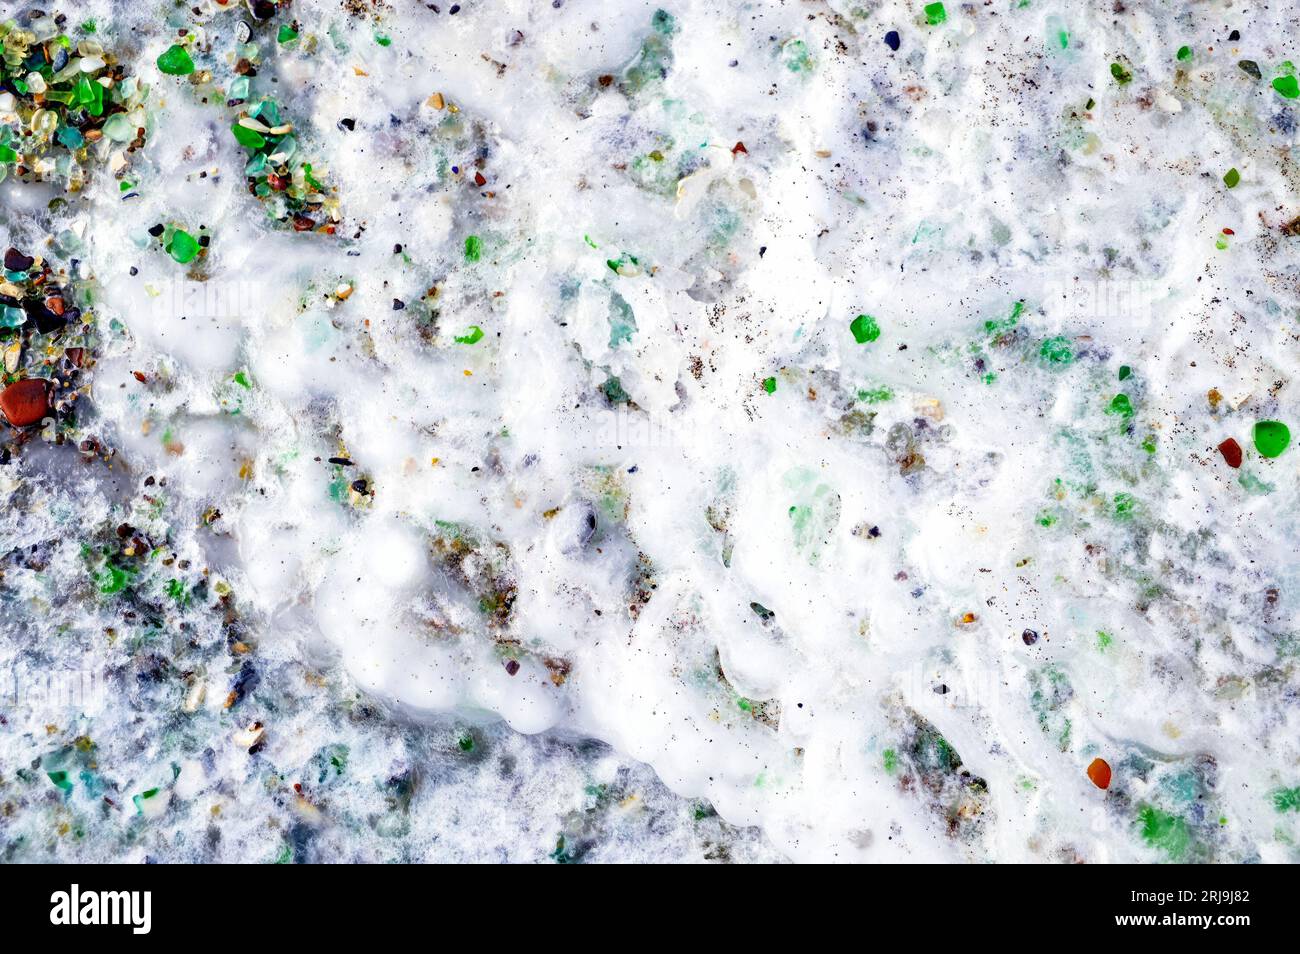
(180, 244)
(277, 171)
(60, 101)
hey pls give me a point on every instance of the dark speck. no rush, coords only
(891, 40)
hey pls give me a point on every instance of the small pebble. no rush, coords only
(1231, 452)
(1099, 772)
(25, 402)
(16, 261)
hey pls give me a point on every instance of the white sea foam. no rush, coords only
(805, 606)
